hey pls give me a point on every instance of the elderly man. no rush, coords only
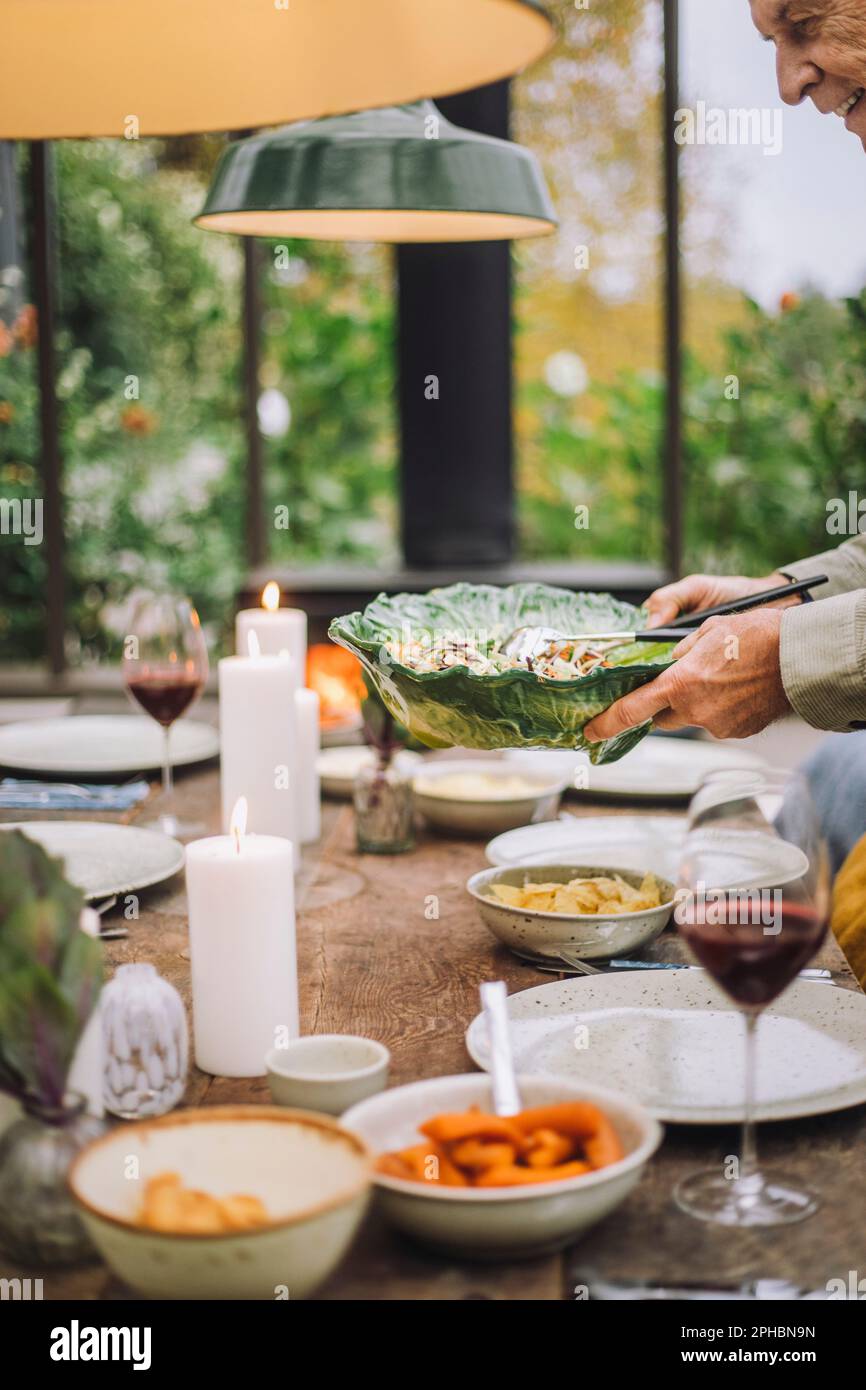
(736, 675)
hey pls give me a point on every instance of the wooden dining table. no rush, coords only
(392, 946)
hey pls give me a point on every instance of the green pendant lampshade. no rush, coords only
(401, 173)
(167, 67)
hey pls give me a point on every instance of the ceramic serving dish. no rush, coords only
(312, 1176)
(327, 1071)
(449, 795)
(515, 707)
(538, 936)
(508, 1222)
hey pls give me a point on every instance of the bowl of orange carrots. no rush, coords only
(453, 1174)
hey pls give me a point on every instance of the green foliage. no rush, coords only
(147, 349)
(328, 346)
(149, 379)
(761, 469)
(612, 467)
(760, 466)
(50, 972)
(511, 709)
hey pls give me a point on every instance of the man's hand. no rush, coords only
(706, 591)
(726, 679)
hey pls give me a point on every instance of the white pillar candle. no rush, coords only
(258, 743)
(277, 629)
(242, 950)
(307, 744)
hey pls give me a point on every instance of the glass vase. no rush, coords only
(39, 1222)
(384, 809)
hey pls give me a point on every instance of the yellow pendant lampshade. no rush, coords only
(110, 67)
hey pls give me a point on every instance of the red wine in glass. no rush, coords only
(752, 833)
(753, 949)
(165, 694)
(164, 669)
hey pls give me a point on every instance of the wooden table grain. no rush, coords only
(392, 947)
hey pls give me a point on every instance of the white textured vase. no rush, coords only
(146, 1043)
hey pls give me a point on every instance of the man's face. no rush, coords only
(809, 64)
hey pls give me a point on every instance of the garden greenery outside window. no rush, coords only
(589, 347)
(774, 406)
(149, 349)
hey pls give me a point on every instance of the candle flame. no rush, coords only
(238, 822)
(253, 645)
(271, 596)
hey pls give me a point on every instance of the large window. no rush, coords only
(775, 400)
(169, 341)
(589, 350)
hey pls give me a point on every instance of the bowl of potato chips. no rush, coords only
(591, 911)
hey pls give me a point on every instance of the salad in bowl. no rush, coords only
(439, 663)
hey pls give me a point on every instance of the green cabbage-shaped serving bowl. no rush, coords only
(510, 709)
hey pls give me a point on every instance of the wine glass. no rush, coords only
(753, 904)
(165, 667)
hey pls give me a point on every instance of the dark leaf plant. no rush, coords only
(50, 973)
(382, 733)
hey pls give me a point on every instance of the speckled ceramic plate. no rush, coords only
(622, 842)
(671, 1040)
(666, 768)
(102, 744)
(102, 858)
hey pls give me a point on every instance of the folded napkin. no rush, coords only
(16, 795)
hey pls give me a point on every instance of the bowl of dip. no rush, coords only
(484, 796)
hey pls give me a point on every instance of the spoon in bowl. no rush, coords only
(503, 1078)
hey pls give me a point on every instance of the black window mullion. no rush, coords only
(454, 384)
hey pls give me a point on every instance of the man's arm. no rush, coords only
(736, 675)
(845, 567)
(822, 657)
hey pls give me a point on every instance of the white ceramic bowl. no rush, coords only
(311, 1174)
(536, 936)
(507, 1222)
(492, 813)
(327, 1071)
